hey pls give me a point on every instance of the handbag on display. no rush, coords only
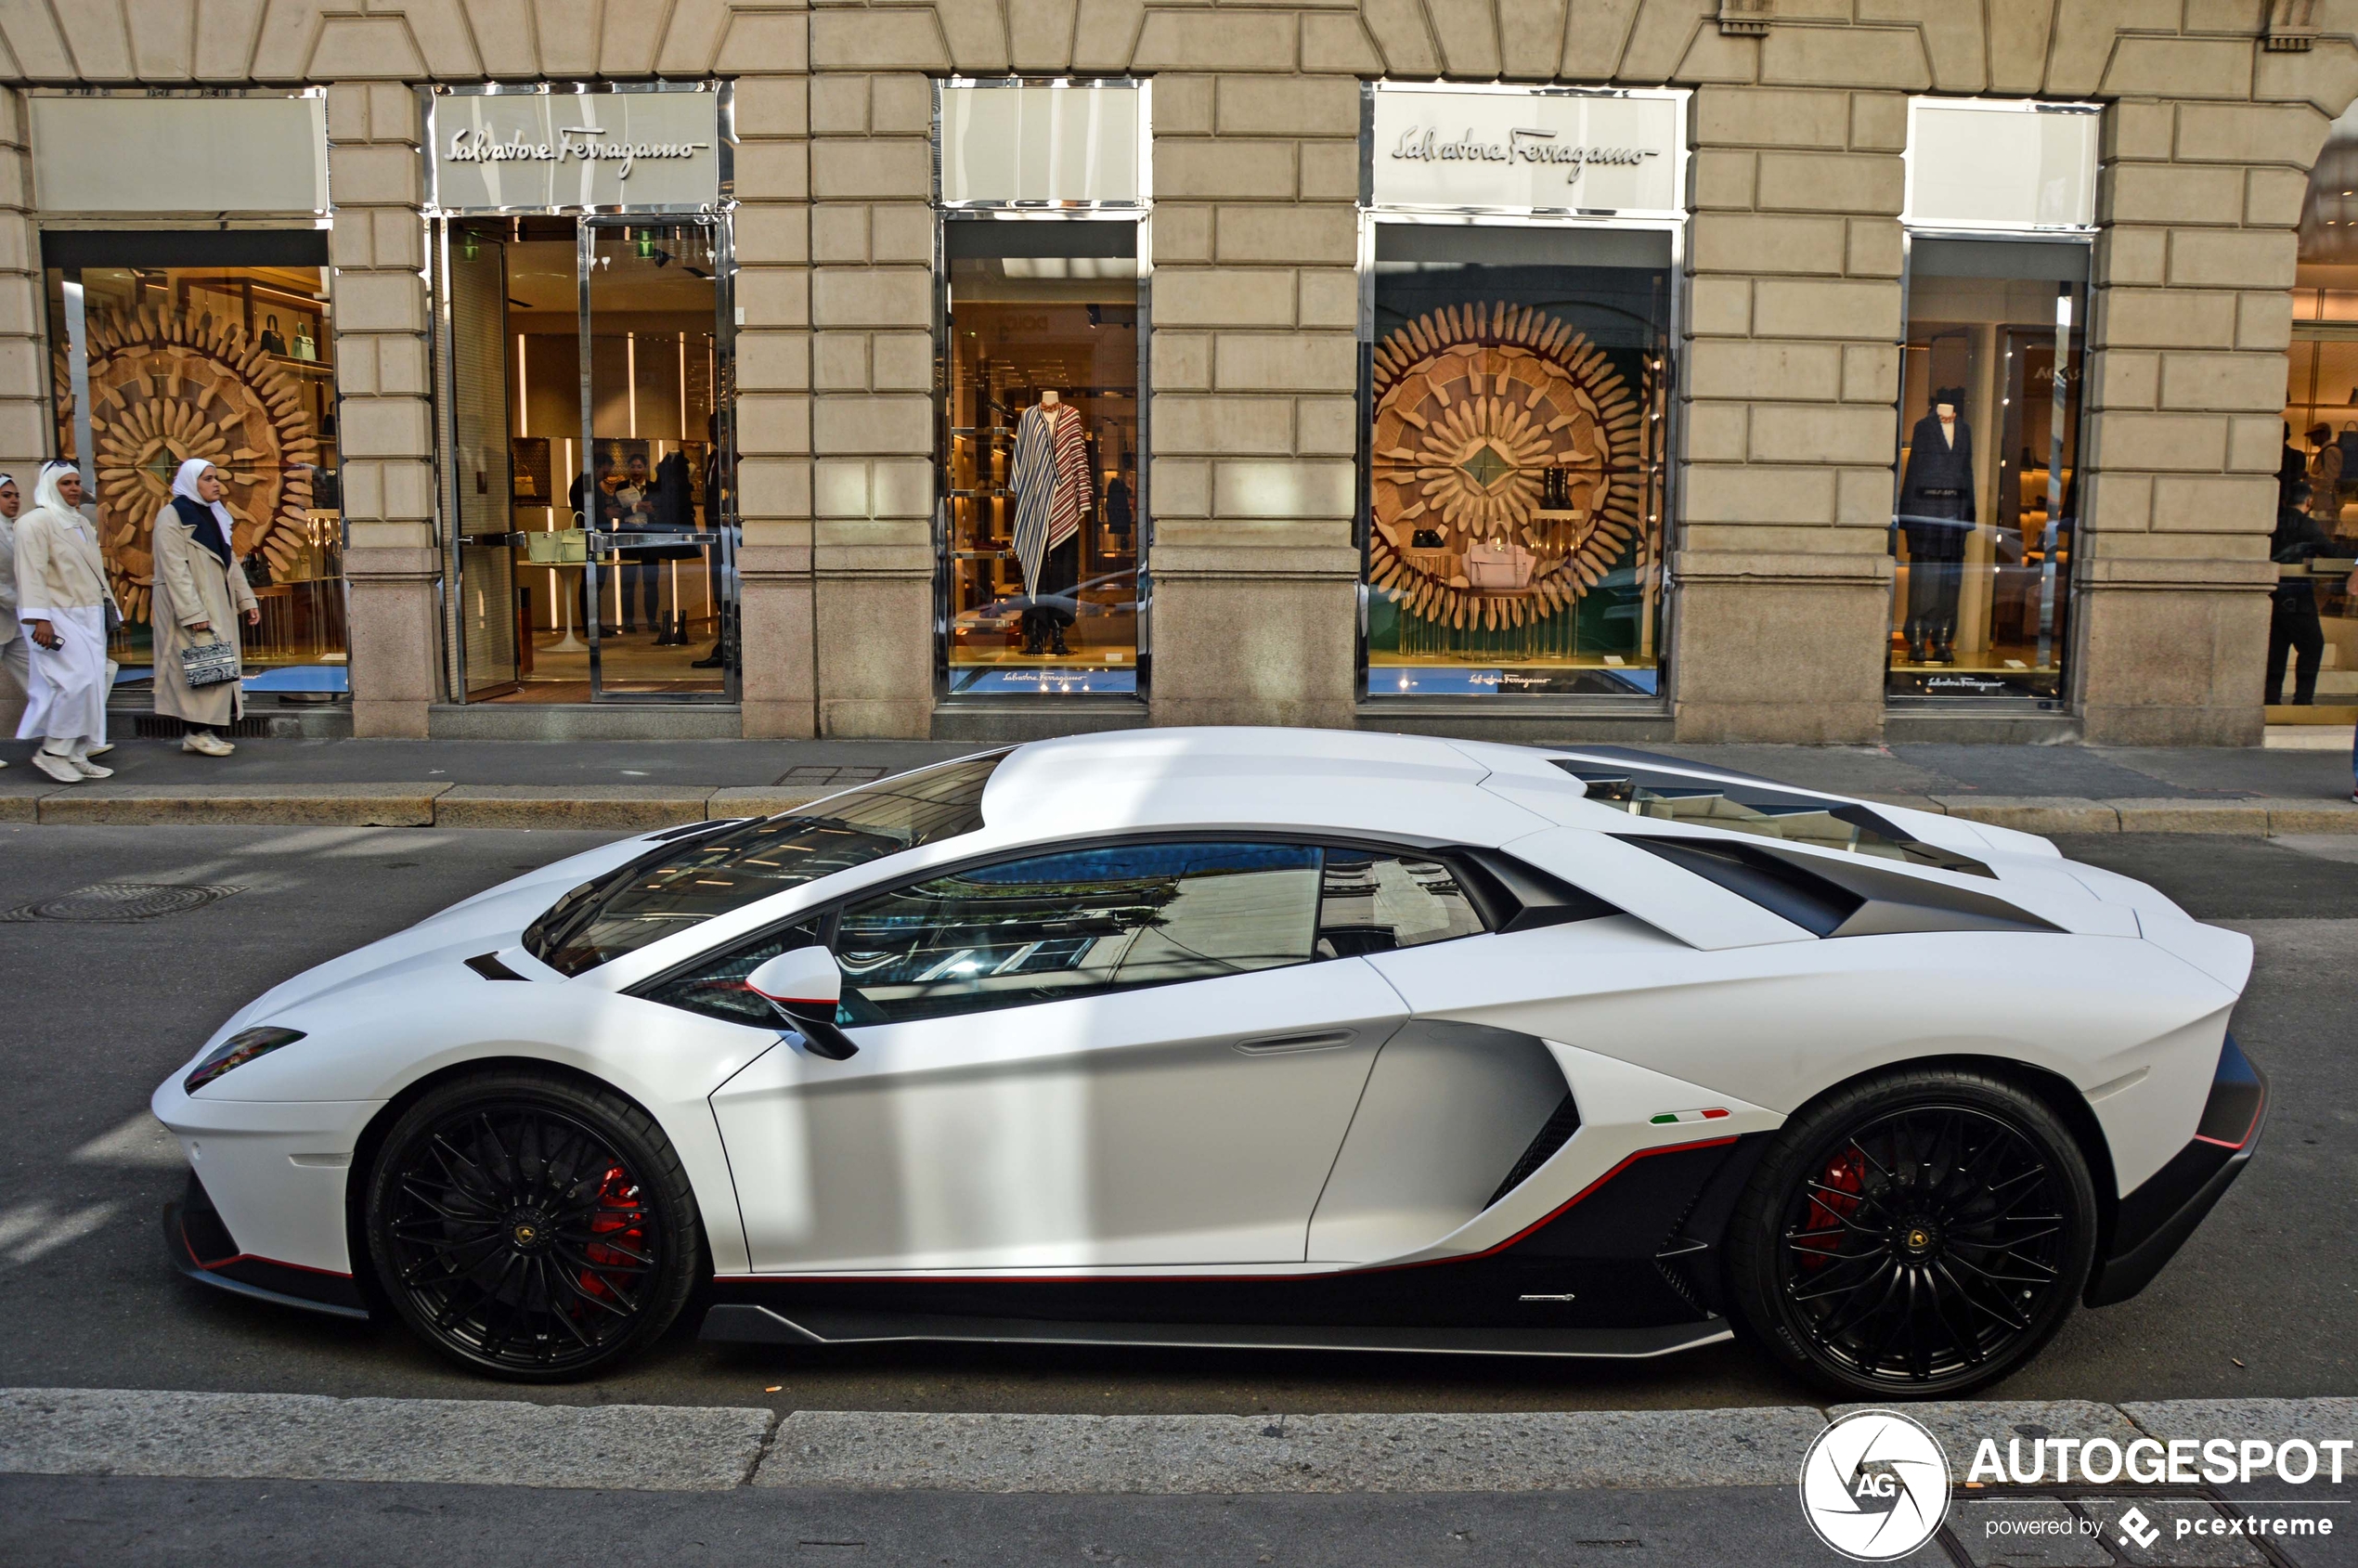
(207, 664)
(1498, 565)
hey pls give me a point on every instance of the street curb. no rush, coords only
(649, 1447)
(643, 807)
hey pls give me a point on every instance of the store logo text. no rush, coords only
(585, 143)
(1524, 145)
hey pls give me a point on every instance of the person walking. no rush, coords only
(68, 611)
(201, 591)
(13, 655)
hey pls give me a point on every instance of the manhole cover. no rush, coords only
(120, 900)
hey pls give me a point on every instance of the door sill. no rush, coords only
(744, 1323)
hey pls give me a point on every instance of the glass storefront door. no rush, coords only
(593, 475)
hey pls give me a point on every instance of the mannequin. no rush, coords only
(1937, 516)
(1052, 490)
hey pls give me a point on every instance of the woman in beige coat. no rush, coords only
(200, 589)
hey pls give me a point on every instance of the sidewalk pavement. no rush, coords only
(636, 786)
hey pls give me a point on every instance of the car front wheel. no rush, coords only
(530, 1226)
(1922, 1233)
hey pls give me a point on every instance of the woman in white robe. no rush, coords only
(62, 601)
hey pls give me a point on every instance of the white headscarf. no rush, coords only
(185, 484)
(44, 490)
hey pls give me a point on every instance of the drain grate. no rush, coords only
(118, 902)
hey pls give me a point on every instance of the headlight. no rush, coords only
(236, 1051)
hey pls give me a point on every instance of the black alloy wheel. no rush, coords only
(1922, 1234)
(532, 1226)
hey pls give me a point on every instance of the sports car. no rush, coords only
(1258, 1038)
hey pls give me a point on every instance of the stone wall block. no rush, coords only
(1794, 307)
(898, 39)
(1293, 487)
(1180, 362)
(1328, 235)
(2166, 318)
(1105, 34)
(2263, 321)
(1767, 243)
(1723, 177)
(1800, 433)
(1339, 44)
(1217, 40)
(2208, 504)
(1876, 249)
(774, 106)
(2253, 382)
(874, 297)
(1828, 182)
(2157, 443)
(772, 233)
(1285, 361)
(380, 302)
(839, 104)
(1040, 34)
(1329, 299)
(877, 168)
(1183, 105)
(1184, 424)
(838, 233)
(2215, 133)
(1727, 493)
(2224, 259)
(900, 104)
(773, 360)
(368, 174)
(875, 424)
(774, 171)
(775, 296)
(1764, 117)
(2131, 257)
(765, 41)
(2273, 198)
(2119, 377)
(1870, 372)
(2165, 193)
(901, 232)
(1225, 297)
(1878, 122)
(1870, 56)
(769, 425)
(1733, 368)
(1311, 106)
(1182, 235)
(1224, 168)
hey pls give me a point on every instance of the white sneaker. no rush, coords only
(89, 770)
(59, 768)
(204, 742)
(99, 750)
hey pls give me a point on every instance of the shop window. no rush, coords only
(1041, 478)
(1518, 395)
(1987, 472)
(218, 346)
(2312, 620)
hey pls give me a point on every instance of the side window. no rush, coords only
(1075, 924)
(714, 983)
(1373, 902)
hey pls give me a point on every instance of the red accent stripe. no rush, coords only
(904, 1276)
(2256, 1112)
(219, 1264)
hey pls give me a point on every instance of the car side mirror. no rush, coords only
(805, 986)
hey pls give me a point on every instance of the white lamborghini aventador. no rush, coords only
(1249, 1038)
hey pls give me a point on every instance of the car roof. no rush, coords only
(1416, 787)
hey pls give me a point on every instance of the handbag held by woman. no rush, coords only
(209, 664)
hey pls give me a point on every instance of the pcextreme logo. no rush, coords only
(1875, 1486)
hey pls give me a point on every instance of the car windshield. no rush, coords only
(693, 878)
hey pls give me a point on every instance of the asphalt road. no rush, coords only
(96, 1015)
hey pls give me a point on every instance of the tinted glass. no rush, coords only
(692, 879)
(1074, 923)
(1371, 902)
(715, 984)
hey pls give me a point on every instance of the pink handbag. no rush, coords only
(1499, 566)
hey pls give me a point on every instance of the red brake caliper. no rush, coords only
(1846, 1175)
(620, 1216)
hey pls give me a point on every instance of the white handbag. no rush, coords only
(1499, 566)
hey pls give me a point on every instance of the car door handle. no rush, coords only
(1277, 1044)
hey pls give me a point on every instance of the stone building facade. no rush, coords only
(1782, 394)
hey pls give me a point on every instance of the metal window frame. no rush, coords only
(1662, 703)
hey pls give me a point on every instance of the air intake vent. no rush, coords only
(1831, 896)
(1561, 1124)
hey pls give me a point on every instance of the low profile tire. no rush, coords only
(1917, 1234)
(531, 1226)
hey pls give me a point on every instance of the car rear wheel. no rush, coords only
(531, 1225)
(1923, 1232)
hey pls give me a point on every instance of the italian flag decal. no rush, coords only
(1668, 1117)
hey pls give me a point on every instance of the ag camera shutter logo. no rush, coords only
(1875, 1486)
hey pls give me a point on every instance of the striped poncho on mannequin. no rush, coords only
(1051, 486)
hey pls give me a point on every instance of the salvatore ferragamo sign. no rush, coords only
(530, 152)
(1614, 153)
